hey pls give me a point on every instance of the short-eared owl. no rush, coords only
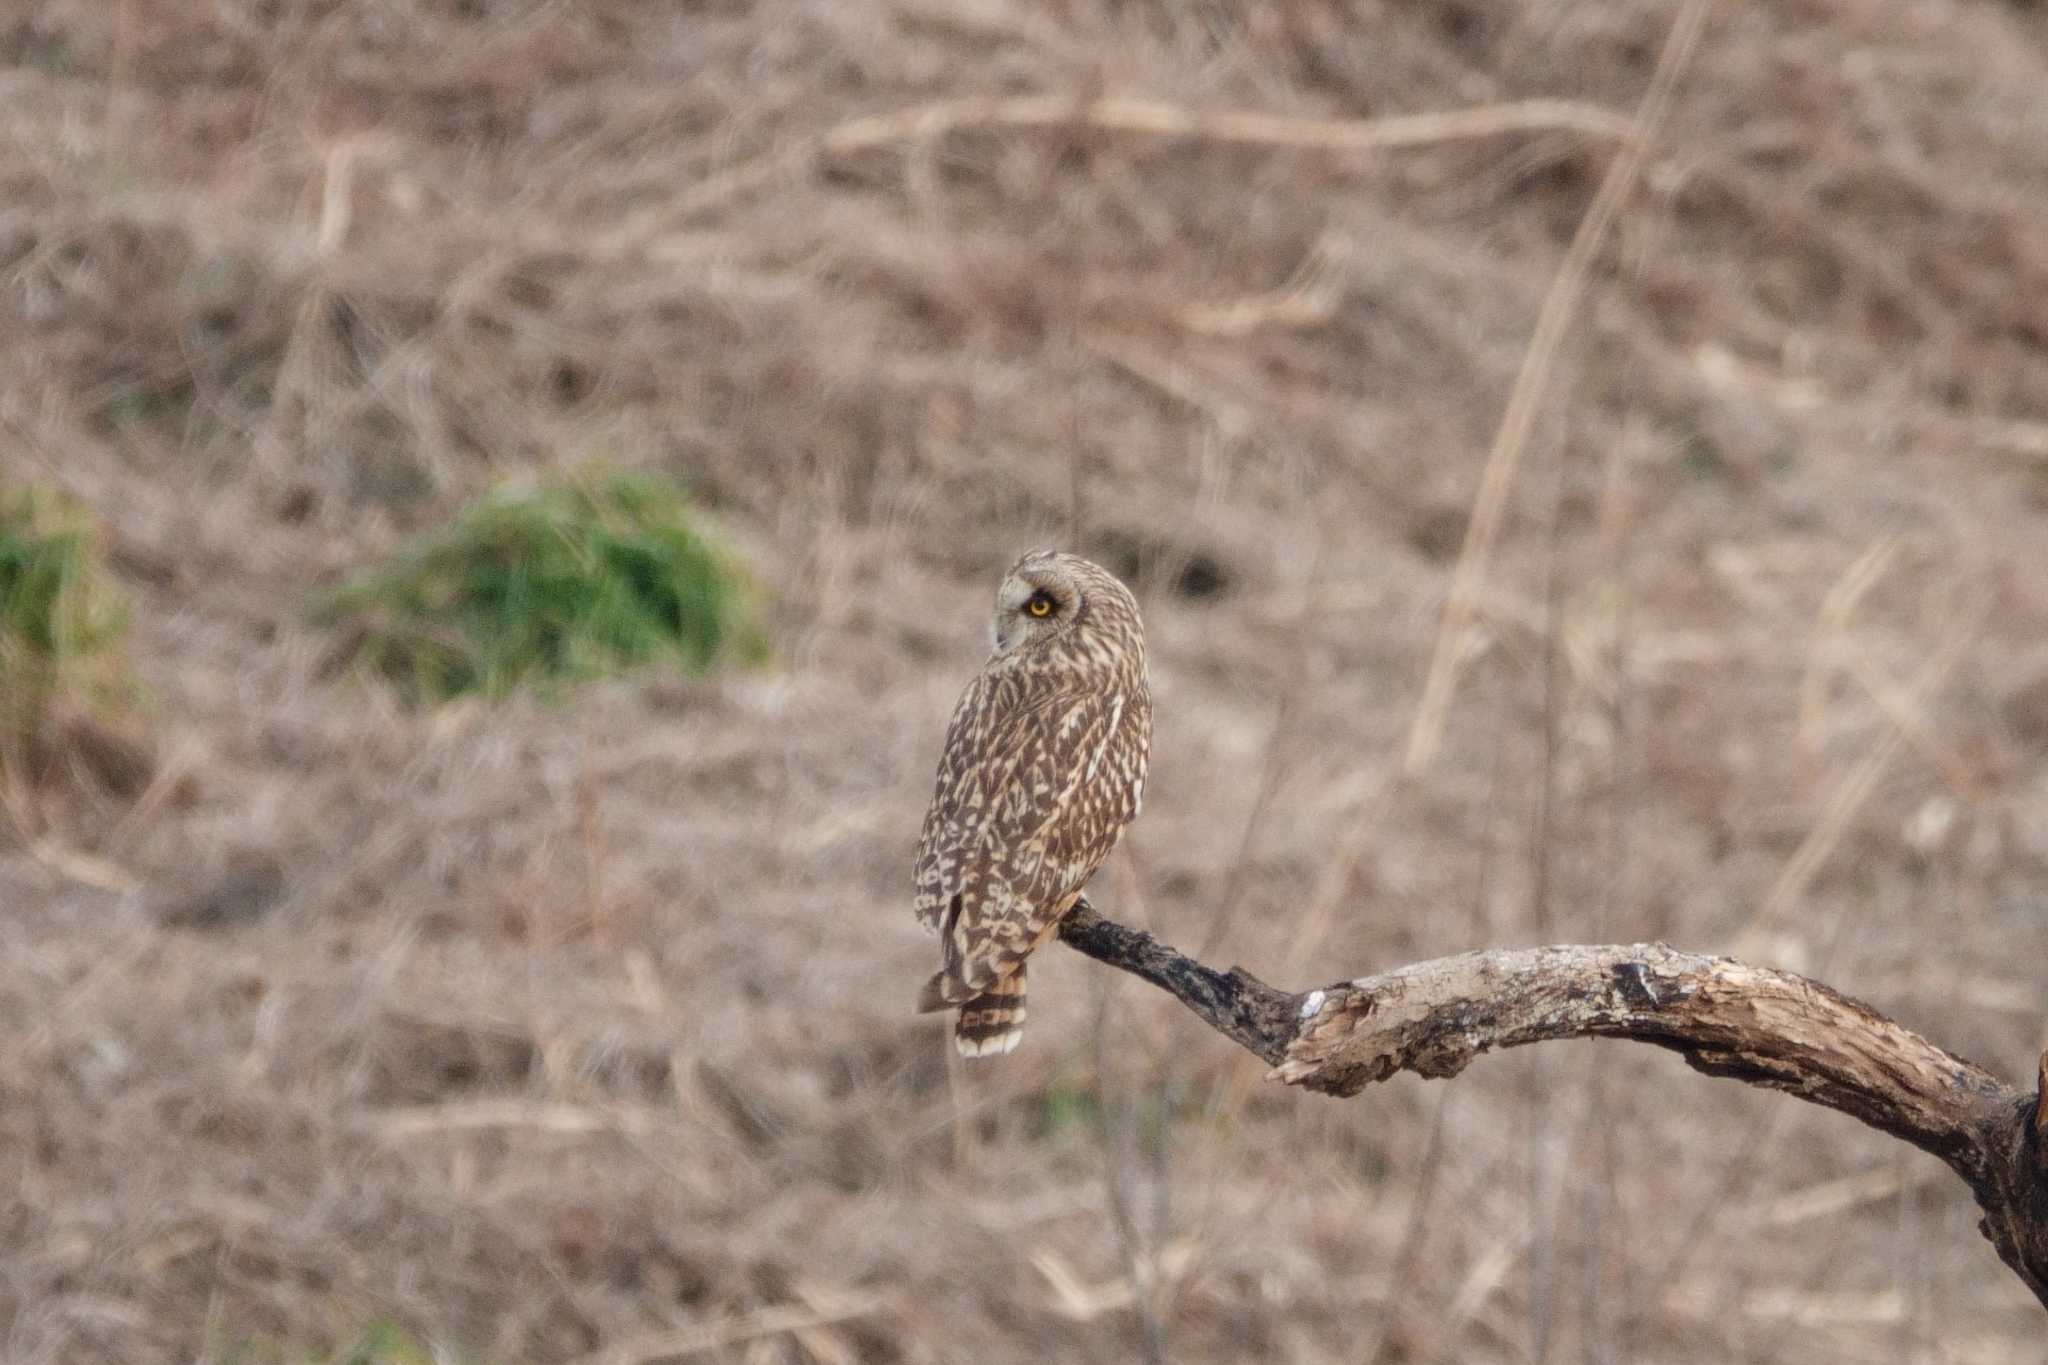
(1044, 766)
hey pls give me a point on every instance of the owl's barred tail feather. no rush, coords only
(992, 1023)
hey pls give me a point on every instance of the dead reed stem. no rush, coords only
(1533, 380)
(1118, 114)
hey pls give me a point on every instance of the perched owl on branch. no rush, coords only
(1044, 766)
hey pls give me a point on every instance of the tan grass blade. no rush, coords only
(732, 1331)
(1847, 798)
(1525, 399)
(1121, 114)
(1075, 1298)
(477, 1115)
(1158, 118)
(1831, 1198)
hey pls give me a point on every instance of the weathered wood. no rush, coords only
(1726, 1018)
(1235, 1003)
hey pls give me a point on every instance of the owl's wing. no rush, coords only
(993, 730)
(1032, 794)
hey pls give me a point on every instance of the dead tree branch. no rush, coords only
(1726, 1018)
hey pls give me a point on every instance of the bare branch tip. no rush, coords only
(2041, 1108)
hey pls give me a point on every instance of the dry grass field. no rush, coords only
(335, 1028)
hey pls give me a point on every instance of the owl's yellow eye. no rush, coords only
(1040, 605)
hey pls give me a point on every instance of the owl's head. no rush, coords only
(1048, 595)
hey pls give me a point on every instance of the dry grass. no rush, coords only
(559, 1032)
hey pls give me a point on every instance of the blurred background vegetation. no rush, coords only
(572, 582)
(454, 892)
(60, 613)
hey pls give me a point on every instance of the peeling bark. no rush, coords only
(1726, 1018)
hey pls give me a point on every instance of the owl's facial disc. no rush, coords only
(1031, 606)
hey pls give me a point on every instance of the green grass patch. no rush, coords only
(1069, 1110)
(383, 1342)
(61, 616)
(1072, 1108)
(542, 586)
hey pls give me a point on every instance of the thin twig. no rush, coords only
(1157, 118)
(1114, 114)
